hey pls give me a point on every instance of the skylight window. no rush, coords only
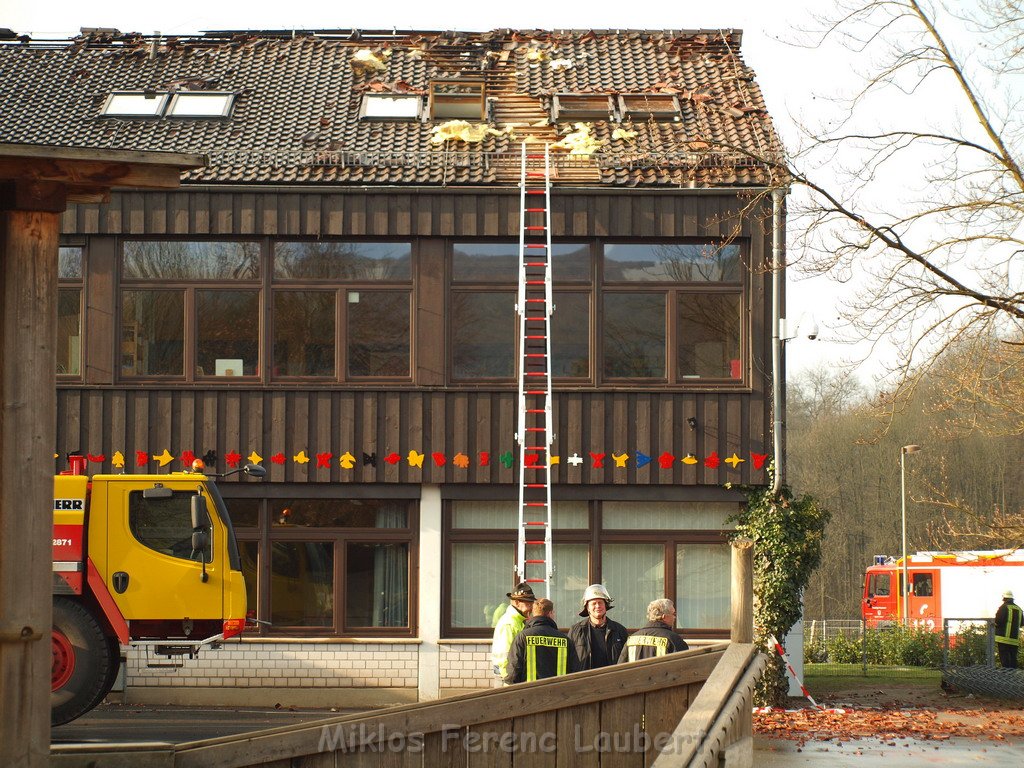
(649, 106)
(390, 106)
(582, 106)
(203, 104)
(138, 104)
(456, 100)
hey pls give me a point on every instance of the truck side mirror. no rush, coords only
(200, 514)
(255, 470)
(201, 525)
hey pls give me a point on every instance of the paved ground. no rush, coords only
(872, 753)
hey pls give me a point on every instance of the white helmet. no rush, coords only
(1008, 594)
(595, 592)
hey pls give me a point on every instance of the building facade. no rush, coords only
(333, 298)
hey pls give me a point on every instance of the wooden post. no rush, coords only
(28, 417)
(742, 626)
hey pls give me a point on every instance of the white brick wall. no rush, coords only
(466, 666)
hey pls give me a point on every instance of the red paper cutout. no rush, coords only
(438, 458)
(759, 459)
(666, 460)
(187, 457)
(141, 458)
(232, 458)
(278, 458)
(392, 458)
(324, 460)
(531, 459)
(712, 461)
(485, 459)
(598, 459)
(461, 461)
(99, 458)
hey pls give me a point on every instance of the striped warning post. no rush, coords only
(785, 658)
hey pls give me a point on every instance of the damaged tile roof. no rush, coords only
(295, 118)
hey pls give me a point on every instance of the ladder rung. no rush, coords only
(535, 354)
(537, 466)
(536, 429)
(536, 373)
(535, 227)
(536, 264)
(535, 543)
(538, 448)
(535, 485)
(536, 581)
(536, 282)
(536, 191)
(535, 562)
(535, 522)
(536, 210)
(536, 245)
(535, 392)
(536, 337)
(535, 410)
(535, 173)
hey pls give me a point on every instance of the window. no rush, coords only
(165, 525)
(135, 104)
(640, 550)
(483, 345)
(879, 585)
(634, 335)
(922, 584)
(378, 334)
(649, 106)
(328, 566)
(390, 106)
(456, 100)
(200, 104)
(304, 333)
(582, 106)
(159, 104)
(70, 292)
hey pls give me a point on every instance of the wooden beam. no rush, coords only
(23, 195)
(742, 624)
(92, 173)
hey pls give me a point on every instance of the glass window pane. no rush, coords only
(503, 514)
(152, 333)
(339, 513)
(377, 585)
(676, 262)
(228, 333)
(378, 333)
(634, 575)
(178, 260)
(249, 553)
(485, 262)
(343, 261)
(570, 335)
(165, 525)
(571, 577)
(634, 335)
(667, 515)
(481, 575)
(709, 336)
(302, 583)
(200, 105)
(135, 104)
(703, 586)
(570, 262)
(483, 335)
(245, 513)
(69, 331)
(304, 332)
(69, 263)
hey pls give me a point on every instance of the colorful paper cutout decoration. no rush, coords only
(555, 460)
(164, 458)
(347, 460)
(690, 459)
(392, 458)
(210, 458)
(666, 460)
(642, 459)
(278, 458)
(254, 458)
(439, 459)
(485, 459)
(141, 458)
(531, 459)
(369, 459)
(323, 460)
(734, 460)
(232, 459)
(506, 459)
(301, 458)
(598, 460)
(759, 459)
(117, 460)
(96, 458)
(620, 459)
(575, 460)
(187, 457)
(712, 461)
(461, 461)
(415, 459)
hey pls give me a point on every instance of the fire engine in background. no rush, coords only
(146, 560)
(943, 585)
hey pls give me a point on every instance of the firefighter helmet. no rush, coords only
(1008, 594)
(595, 592)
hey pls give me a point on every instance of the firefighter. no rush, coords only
(1008, 621)
(540, 650)
(657, 637)
(509, 625)
(598, 639)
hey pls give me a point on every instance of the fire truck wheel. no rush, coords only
(82, 662)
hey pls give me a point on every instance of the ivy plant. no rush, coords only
(787, 535)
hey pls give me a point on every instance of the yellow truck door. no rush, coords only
(152, 571)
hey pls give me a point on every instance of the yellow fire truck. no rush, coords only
(144, 560)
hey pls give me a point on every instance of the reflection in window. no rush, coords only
(702, 586)
(69, 331)
(708, 333)
(480, 579)
(570, 335)
(483, 335)
(245, 513)
(634, 574)
(667, 515)
(152, 333)
(634, 335)
(302, 583)
(339, 513)
(69, 263)
(165, 525)
(228, 328)
(249, 552)
(343, 261)
(499, 262)
(378, 333)
(304, 331)
(376, 585)
(502, 514)
(181, 260)
(676, 262)
(571, 577)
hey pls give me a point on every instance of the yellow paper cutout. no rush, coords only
(117, 460)
(734, 460)
(620, 460)
(164, 458)
(689, 459)
(255, 458)
(415, 459)
(301, 458)
(347, 460)
(554, 460)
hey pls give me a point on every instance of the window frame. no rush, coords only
(79, 284)
(670, 114)
(368, 98)
(229, 104)
(480, 98)
(161, 96)
(567, 106)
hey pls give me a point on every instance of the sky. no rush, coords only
(796, 81)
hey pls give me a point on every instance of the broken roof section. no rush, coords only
(296, 116)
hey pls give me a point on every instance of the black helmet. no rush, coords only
(523, 591)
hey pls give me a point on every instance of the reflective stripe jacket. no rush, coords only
(655, 639)
(509, 625)
(540, 651)
(1008, 621)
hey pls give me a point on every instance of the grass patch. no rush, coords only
(840, 677)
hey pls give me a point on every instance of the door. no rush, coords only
(923, 610)
(152, 570)
(879, 600)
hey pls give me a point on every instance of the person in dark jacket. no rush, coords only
(540, 650)
(598, 640)
(657, 638)
(1008, 620)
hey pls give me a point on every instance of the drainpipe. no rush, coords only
(778, 256)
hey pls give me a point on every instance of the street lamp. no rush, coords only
(903, 498)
